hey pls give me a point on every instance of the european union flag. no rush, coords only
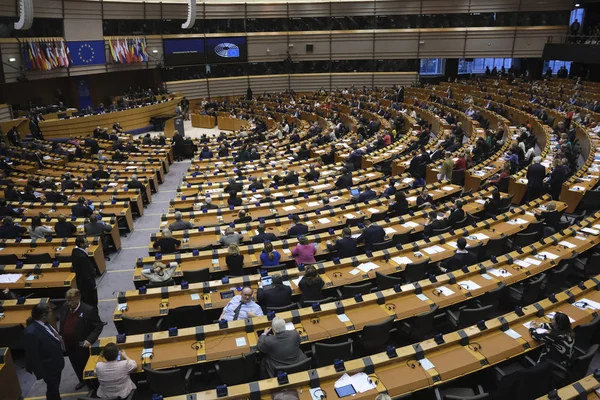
(87, 53)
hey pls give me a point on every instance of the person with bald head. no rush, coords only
(242, 306)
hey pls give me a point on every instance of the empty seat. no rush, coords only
(200, 275)
(325, 354)
(237, 370)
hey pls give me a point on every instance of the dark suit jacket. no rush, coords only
(85, 271)
(279, 350)
(89, 326)
(11, 231)
(233, 187)
(260, 238)
(345, 247)
(344, 181)
(551, 218)
(274, 296)
(367, 195)
(81, 211)
(455, 216)
(535, 175)
(43, 353)
(437, 224)
(458, 260)
(100, 174)
(299, 229)
(372, 234)
(55, 197)
(90, 184)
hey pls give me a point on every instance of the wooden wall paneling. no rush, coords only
(394, 7)
(269, 83)
(442, 43)
(309, 82)
(547, 5)
(120, 10)
(486, 6)
(389, 79)
(320, 42)
(228, 86)
(153, 10)
(351, 46)
(530, 42)
(299, 10)
(83, 9)
(87, 70)
(222, 11)
(354, 8)
(47, 8)
(175, 11)
(5, 113)
(258, 45)
(192, 89)
(267, 10)
(489, 43)
(346, 80)
(445, 6)
(402, 43)
(9, 9)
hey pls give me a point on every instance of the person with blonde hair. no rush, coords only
(230, 237)
(160, 272)
(234, 260)
(167, 244)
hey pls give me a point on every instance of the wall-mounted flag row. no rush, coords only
(45, 55)
(128, 51)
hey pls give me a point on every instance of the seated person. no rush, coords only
(391, 189)
(269, 257)
(10, 230)
(90, 183)
(558, 340)
(297, 227)
(274, 295)
(312, 174)
(457, 214)
(304, 252)
(8, 211)
(311, 285)
(234, 260)
(233, 200)
(159, 272)
(280, 349)
(366, 194)
(492, 206)
(96, 227)
(37, 230)
(29, 194)
(64, 228)
(100, 173)
(55, 197)
(179, 224)
(81, 210)
(242, 218)
(267, 198)
(262, 235)
(424, 200)
(344, 247)
(255, 184)
(433, 223)
(551, 218)
(113, 374)
(208, 205)
(68, 183)
(10, 194)
(462, 257)
(372, 233)
(242, 306)
(233, 186)
(230, 236)
(167, 244)
(399, 206)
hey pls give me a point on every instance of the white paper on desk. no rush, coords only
(407, 180)
(445, 291)
(512, 333)
(366, 267)
(361, 383)
(131, 167)
(422, 297)
(517, 221)
(433, 250)
(122, 306)
(411, 199)
(548, 255)
(452, 244)
(581, 238)
(313, 204)
(591, 231)
(324, 220)
(480, 201)
(402, 260)
(10, 278)
(113, 184)
(355, 271)
(296, 281)
(349, 216)
(426, 364)
(195, 296)
(287, 283)
(343, 318)
(551, 315)
(289, 208)
(389, 230)
(317, 187)
(373, 210)
(596, 226)
(480, 236)
(345, 380)
(522, 263)
(277, 194)
(586, 303)
(410, 224)
(529, 213)
(240, 341)
(533, 261)
(499, 273)
(469, 285)
(567, 244)
(334, 199)
(289, 326)
(286, 251)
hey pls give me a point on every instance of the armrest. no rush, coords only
(158, 324)
(188, 373)
(530, 361)
(339, 293)
(557, 366)
(578, 261)
(453, 316)
(499, 372)
(438, 395)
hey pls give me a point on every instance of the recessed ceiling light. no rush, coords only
(155, 51)
(12, 59)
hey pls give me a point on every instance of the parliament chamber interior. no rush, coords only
(301, 199)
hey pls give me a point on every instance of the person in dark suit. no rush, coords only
(399, 206)
(551, 218)
(233, 186)
(64, 228)
(47, 184)
(80, 327)
(536, 173)
(96, 227)
(93, 145)
(344, 247)
(492, 206)
(558, 176)
(345, 180)
(280, 349)
(424, 199)
(267, 198)
(90, 183)
(100, 173)
(366, 194)
(457, 214)
(167, 244)
(462, 257)
(8, 211)
(262, 235)
(290, 178)
(275, 295)
(312, 174)
(326, 205)
(55, 197)
(10, 230)
(85, 271)
(178, 142)
(433, 223)
(28, 194)
(81, 210)
(255, 184)
(371, 234)
(44, 349)
(242, 218)
(11, 194)
(297, 228)
(68, 183)
(233, 200)
(208, 205)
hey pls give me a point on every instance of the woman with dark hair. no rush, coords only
(311, 284)
(37, 230)
(557, 337)
(269, 257)
(399, 206)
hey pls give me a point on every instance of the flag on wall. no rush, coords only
(45, 54)
(128, 51)
(90, 52)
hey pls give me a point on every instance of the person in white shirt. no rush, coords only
(114, 373)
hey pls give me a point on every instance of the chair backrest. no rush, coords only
(503, 184)
(533, 227)
(43, 258)
(8, 259)
(200, 275)
(184, 209)
(289, 307)
(387, 281)
(470, 316)
(533, 289)
(415, 272)
(382, 245)
(467, 193)
(185, 317)
(557, 276)
(165, 382)
(326, 354)
(494, 247)
(458, 177)
(309, 303)
(436, 232)
(136, 326)
(525, 239)
(592, 265)
(275, 268)
(493, 296)
(580, 365)
(506, 201)
(11, 336)
(375, 217)
(376, 336)
(355, 221)
(584, 333)
(477, 250)
(402, 238)
(168, 282)
(238, 370)
(475, 397)
(463, 222)
(349, 291)
(298, 367)
(422, 324)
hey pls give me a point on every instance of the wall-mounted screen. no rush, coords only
(184, 51)
(226, 50)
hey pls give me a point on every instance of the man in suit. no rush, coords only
(47, 184)
(312, 174)
(90, 183)
(208, 205)
(80, 327)
(536, 173)
(457, 214)
(55, 197)
(290, 178)
(96, 227)
(275, 295)
(267, 198)
(262, 235)
(68, 183)
(345, 180)
(433, 223)
(326, 205)
(344, 247)
(242, 218)
(92, 144)
(8, 211)
(100, 173)
(10, 230)
(44, 349)
(462, 257)
(551, 218)
(372, 233)
(297, 227)
(81, 210)
(280, 349)
(180, 224)
(367, 194)
(234, 186)
(85, 271)
(255, 184)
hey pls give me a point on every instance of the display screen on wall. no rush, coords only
(184, 51)
(226, 50)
